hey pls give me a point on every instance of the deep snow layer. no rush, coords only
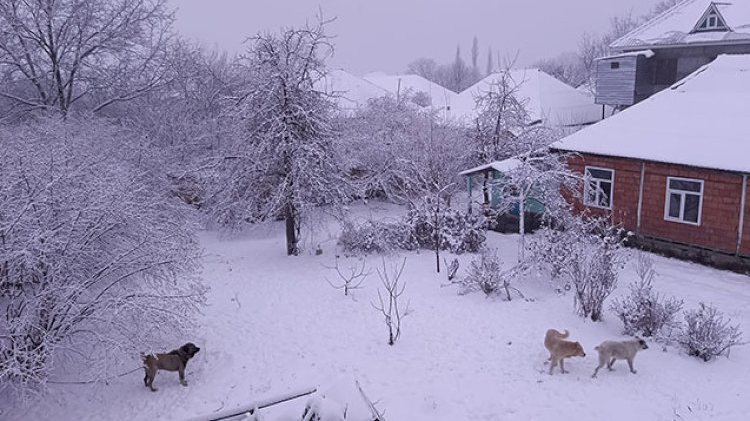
(274, 325)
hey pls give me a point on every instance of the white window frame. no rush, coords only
(589, 178)
(683, 193)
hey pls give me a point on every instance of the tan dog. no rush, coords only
(172, 361)
(609, 351)
(559, 348)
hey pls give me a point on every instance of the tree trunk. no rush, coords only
(292, 240)
(521, 225)
(485, 189)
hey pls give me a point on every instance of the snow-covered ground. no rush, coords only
(274, 325)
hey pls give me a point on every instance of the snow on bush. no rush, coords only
(486, 274)
(588, 251)
(456, 231)
(706, 334)
(97, 260)
(644, 311)
(375, 237)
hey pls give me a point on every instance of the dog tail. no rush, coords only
(566, 334)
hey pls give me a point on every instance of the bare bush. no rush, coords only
(394, 289)
(351, 279)
(706, 334)
(97, 261)
(644, 311)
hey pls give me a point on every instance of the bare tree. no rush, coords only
(425, 67)
(285, 160)
(394, 289)
(351, 280)
(55, 54)
(540, 176)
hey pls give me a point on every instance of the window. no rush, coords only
(598, 187)
(684, 200)
(614, 65)
(711, 21)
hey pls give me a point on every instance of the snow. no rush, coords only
(547, 99)
(673, 27)
(351, 92)
(645, 53)
(500, 166)
(274, 326)
(714, 136)
(440, 98)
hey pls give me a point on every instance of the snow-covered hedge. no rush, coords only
(706, 334)
(376, 237)
(456, 231)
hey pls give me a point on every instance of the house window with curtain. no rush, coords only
(684, 200)
(599, 187)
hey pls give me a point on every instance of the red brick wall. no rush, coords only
(627, 181)
(719, 213)
(745, 249)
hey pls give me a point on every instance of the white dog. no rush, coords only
(609, 351)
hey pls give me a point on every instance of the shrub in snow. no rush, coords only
(644, 311)
(486, 274)
(456, 231)
(375, 237)
(393, 289)
(589, 253)
(97, 260)
(706, 334)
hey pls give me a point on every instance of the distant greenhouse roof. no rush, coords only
(701, 121)
(548, 100)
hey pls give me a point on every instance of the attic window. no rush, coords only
(614, 65)
(711, 21)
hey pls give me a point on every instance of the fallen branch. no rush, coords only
(253, 407)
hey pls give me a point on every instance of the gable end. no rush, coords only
(711, 21)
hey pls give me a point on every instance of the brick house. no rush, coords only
(674, 168)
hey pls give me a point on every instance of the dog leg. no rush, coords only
(609, 365)
(151, 381)
(182, 375)
(562, 366)
(552, 365)
(630, 364)
(602, 362)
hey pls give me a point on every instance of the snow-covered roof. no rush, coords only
(440, 97)
(701, 121)
(675, 26)
(500, 166)
(645, 53)
(547, 99)
(351, 91)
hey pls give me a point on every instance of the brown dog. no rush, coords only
(172, 361)
(559, 348)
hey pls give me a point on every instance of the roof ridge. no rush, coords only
(653, 21)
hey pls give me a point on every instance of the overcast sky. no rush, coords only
(386, 35)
